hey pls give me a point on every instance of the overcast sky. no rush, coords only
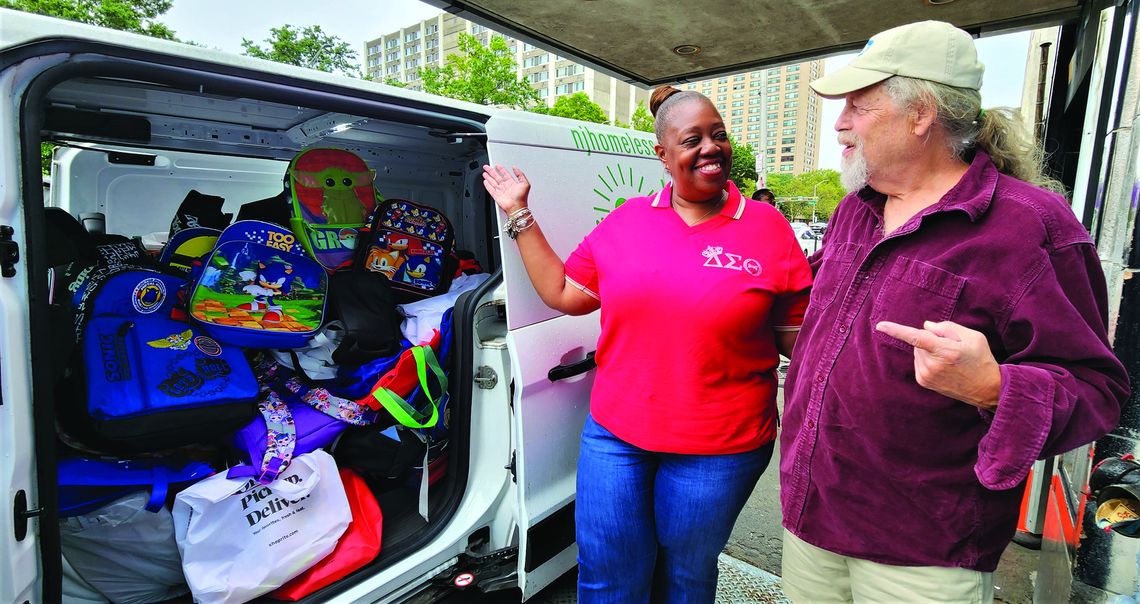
(223, 23)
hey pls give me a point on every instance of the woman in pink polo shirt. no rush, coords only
(682, 413)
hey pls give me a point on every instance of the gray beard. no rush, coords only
(854, 173)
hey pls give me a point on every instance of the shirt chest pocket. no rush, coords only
(913, 292)
(832, 274)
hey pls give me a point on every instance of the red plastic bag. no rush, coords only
(359, 545)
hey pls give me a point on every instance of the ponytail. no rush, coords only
(995, 131)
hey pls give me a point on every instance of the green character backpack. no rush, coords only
(332, 196)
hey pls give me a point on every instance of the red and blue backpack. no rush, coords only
(413, 245)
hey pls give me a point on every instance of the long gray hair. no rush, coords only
(995, 131)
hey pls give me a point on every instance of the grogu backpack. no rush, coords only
(332, 196)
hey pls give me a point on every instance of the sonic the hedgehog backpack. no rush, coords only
(332, 196)
(258, 289)
(413, 245)
(147, 381)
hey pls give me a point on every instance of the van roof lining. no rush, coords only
(244, 107)
(114, 109)
(256, 108)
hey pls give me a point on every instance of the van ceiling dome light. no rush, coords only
(319, 127)
(686, 50)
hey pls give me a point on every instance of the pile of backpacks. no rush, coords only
(229, 406)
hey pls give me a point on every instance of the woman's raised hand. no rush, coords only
(509, 192)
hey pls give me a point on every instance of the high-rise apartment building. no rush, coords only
(401, 55)
(773, 110)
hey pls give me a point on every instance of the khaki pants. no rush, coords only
(816, 576)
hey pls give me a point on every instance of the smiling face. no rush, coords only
(876, 135)
(695, 150)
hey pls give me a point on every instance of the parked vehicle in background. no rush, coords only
(820, 228)
(807, 238)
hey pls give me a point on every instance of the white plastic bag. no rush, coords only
(124, 551)
(316, 358)
(240, 539)
(76, 590)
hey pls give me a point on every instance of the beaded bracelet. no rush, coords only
(512, 219)
(518, 221)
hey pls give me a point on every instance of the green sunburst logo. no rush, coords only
(619, 183)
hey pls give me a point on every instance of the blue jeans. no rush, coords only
(651, 525)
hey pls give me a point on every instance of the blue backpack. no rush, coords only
(258, 289)
(149, 381)
(87, 484)
(187, 247)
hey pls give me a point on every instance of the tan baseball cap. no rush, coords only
(927, 50)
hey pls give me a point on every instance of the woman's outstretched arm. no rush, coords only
(546, 270)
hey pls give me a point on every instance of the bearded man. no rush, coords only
(956, 333)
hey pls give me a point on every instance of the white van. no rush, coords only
(138, 122)
(806, 237)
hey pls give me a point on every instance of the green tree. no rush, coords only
(641, 119)
(780, 184)
(138, 16)
(391, 81)
(827, 188)
(795, 194)
(480, 74)
(743, 163)
(578, 106)
(309, 47)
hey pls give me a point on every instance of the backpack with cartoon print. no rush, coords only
(145, 379)
(413, 245)
(332, 196)
(258, 289)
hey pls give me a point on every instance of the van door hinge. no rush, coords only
(9, 252)
(486, 378)
(21, 514)
(511, 466)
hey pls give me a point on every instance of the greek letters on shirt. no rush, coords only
(716, 257)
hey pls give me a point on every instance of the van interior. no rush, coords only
(133, 135)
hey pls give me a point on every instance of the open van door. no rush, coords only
(19, 534)
(19, 573)
(579, 173)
